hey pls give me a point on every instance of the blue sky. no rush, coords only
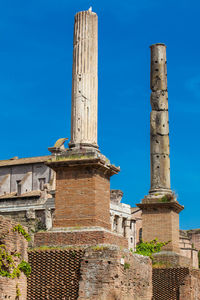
(35, 86)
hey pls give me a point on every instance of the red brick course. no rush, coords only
(79, 238)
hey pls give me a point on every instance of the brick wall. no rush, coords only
(163, 224)
(82, 197)
(110, 274)
(194, 235)
(190, 288)
(89, 273)
(33, 225)
(78, 237)
(14, 242)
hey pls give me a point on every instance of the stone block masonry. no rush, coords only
(111, 273)
(14, 242)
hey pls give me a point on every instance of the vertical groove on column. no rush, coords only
(84, 81)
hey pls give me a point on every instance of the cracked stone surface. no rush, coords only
(159, 121)
(84, 81)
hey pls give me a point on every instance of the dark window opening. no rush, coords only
(19, 187)
(42, 183)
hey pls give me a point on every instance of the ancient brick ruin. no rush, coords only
(15, 243)
(83, 234)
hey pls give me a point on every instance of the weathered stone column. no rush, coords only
(84, 81)
(160, 208)
(159, 124)
(119, 225)
(112, 218)
(127, 228)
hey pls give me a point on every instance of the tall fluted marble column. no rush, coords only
(159, 124)
(84, 81)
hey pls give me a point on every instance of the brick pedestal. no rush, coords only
(82, 191)
(82, 201)
(161, 221)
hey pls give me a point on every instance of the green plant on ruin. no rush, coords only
(19, 228)
(8, 260)
(7, 264)
(47, 248)
(161, 264)
(25, 267)
(126, 266)
(167, 198)
(18, 293)
(70, 157)
(149, 248)
(8, 267)
(99, 247)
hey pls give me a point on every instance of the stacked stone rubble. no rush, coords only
(159, 124)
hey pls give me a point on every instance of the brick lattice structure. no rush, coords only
(55, 274)
(167, 282)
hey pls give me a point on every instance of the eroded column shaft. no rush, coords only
(159, 124)
(84, 80)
